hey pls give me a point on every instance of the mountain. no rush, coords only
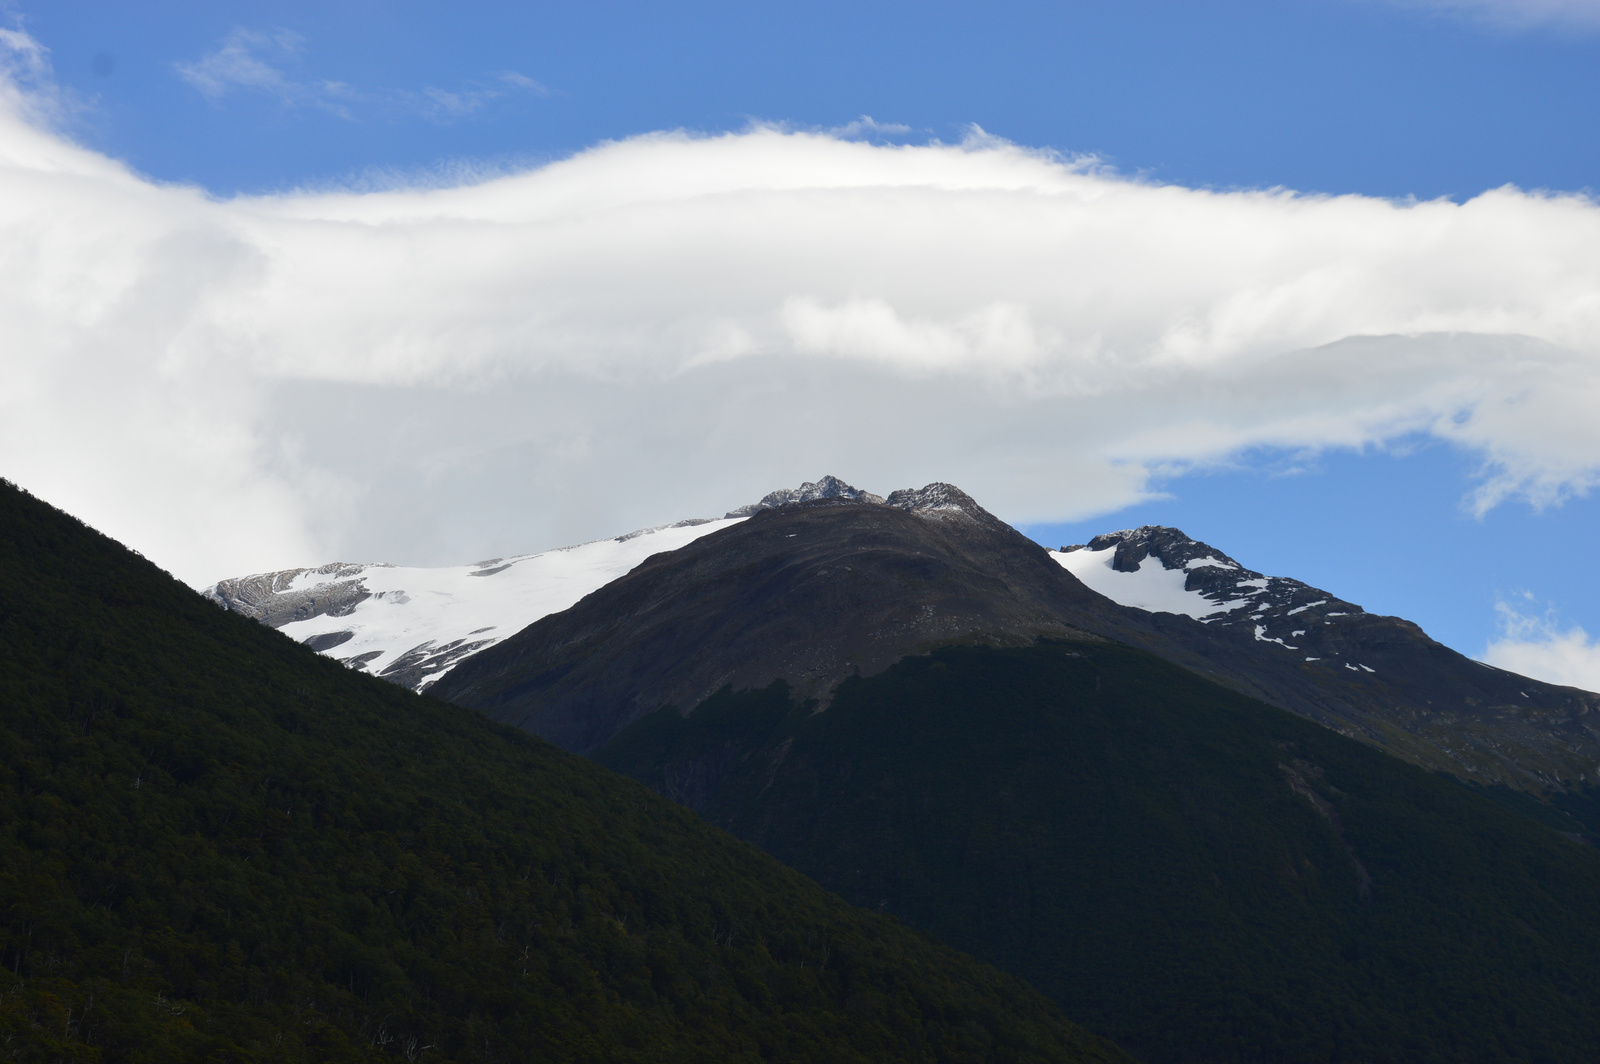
(842, 590)
(410, 625)
(809, 593)
(1190, 872)
(932, 716)
(216, 845)
(1378, 678)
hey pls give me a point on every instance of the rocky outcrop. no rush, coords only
(829, 487)
(274, 599)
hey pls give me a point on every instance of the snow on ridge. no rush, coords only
(1176, 574)
(413, 624)
(1153, 587)
(423, 621)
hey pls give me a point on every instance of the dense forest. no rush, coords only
(1197, 875)
(217, 846)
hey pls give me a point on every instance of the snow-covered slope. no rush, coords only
(1150, 586)
(412, 625)
(1164, 571)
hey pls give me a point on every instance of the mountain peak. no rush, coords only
(1196, 579)
(1170, 546)
(829, 487)
(937, 501)
(940, 502)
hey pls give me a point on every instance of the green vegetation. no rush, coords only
(216, 846)
(1192, 873)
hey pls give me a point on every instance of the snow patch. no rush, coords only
(1262, 637)
(1153, 587)
(1211, 560)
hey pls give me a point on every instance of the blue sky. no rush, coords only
(1443, 478)
(1316, 95)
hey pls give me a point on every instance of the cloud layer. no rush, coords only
(670, 325)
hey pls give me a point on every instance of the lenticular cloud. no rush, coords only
(670, 325)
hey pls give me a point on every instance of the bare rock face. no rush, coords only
(808, 592)
(271, 598)
(945, 502)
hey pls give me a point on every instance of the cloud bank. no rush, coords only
(670, 325)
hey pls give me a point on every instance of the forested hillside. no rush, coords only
(1198, 875)
(215, 845)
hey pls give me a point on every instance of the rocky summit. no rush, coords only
(829, 487)
(1377, 678)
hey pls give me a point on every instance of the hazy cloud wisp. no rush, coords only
(253, 60)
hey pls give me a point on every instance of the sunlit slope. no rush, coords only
(215, 845)
(1195, 874)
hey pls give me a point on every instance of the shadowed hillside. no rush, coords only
(1195, 874)
(215, 845)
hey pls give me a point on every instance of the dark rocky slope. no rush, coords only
(809, 593)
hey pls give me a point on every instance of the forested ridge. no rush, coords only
(215, 845)
(1195, 874)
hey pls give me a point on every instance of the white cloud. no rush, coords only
(1538, 647)
(671, 325)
